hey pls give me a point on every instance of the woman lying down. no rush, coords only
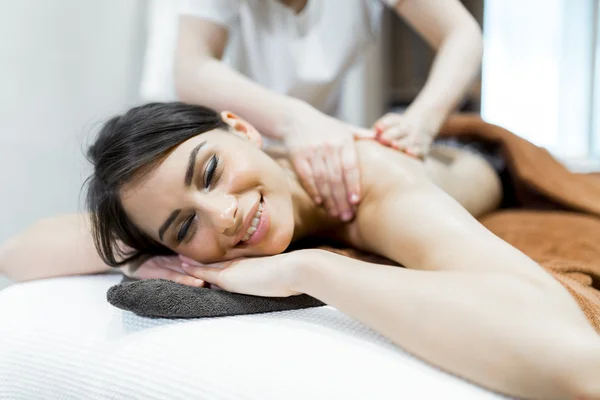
(174, 178)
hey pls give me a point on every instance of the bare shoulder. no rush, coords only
(384, 170)
(464, 175)
(387, 176)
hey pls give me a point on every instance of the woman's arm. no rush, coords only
(56, 246)
(496, 329)
(481, 309)
(477, 307)
(63, 245)
(499, 330)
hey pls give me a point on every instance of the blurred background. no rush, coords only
(67, 65)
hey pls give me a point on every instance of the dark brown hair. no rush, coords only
(127, 146)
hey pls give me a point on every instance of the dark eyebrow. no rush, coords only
(189, 174)
(163, 228)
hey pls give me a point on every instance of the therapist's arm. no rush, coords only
(456, 37)
(320, 147)
(201, 78)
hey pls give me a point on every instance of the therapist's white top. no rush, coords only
(303, 55)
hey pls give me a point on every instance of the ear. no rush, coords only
(242, 127)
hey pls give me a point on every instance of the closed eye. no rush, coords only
(210, 179)
(185, 228)
(211, 169)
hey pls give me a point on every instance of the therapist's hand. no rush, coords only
(409, 133)
(323, 153)
(163, 267)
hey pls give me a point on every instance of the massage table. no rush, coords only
(61, 339)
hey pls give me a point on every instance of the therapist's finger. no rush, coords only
(386, 121)
(401, 143)
(351, 172)
(413, 145)
(394, 133)
(317, 161)
(337, 184)
(405, 146)
(362, 134)
(305, 171)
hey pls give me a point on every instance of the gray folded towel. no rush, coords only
(159, 298)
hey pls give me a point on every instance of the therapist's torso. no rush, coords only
(304, 55)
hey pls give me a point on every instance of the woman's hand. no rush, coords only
(323, 153)
(162, 267)
(409, 133)
(272, 276)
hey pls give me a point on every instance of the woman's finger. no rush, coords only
(163, 262)
(169, 275)
(207, 274)
(189, 261)
(185, 279)
(176, 267)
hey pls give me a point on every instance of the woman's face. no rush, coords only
(215, 197)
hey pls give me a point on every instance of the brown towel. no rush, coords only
(566, 242)
(539, 179)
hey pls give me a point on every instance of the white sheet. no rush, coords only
(60, 339)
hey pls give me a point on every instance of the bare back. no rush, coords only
(414, 213)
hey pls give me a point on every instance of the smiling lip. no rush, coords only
(249, 217)
(262, 227)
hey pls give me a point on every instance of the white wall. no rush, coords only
(65, 66)
(362, 100)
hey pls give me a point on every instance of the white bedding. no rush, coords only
(60, 339)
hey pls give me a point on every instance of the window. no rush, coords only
(538, 74)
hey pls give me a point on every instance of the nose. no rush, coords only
(221, 210)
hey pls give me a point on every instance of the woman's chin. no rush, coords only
(281, 229)
(279, 242)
